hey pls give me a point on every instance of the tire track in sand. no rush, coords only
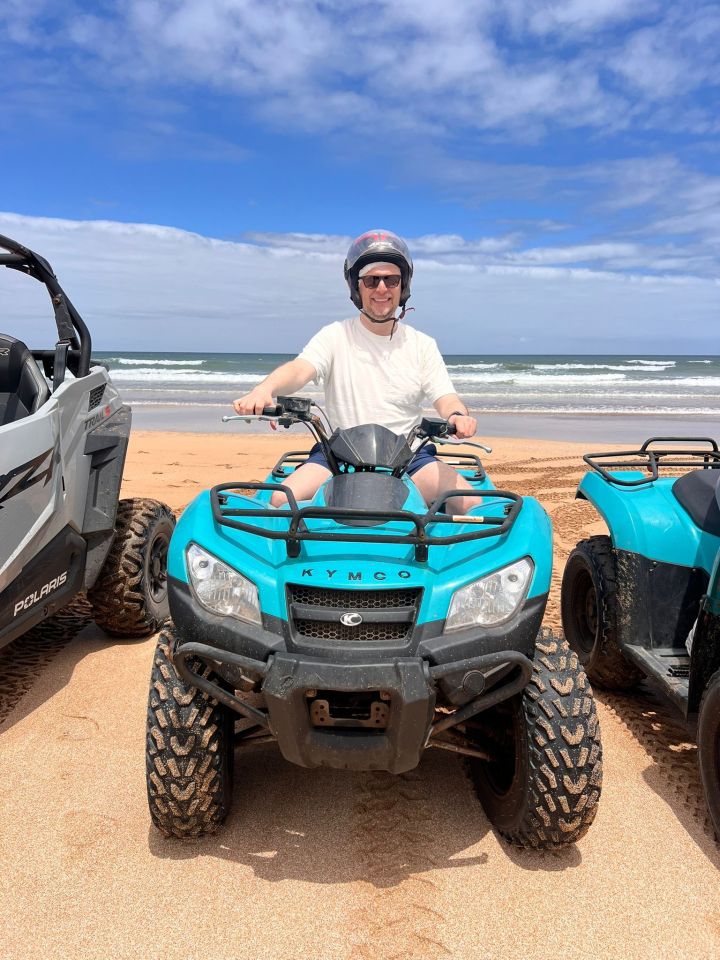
(25, 659)
(393, 831)
(669, 741)
(401, 916)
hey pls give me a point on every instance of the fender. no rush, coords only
(648, 520)
(706, 642)
(712, 600)
(362, 565)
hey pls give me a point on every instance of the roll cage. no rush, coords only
(74, 344)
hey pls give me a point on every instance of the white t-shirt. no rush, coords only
(372, 379)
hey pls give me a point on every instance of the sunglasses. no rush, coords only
(372, 283)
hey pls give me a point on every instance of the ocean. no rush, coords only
(558, 397)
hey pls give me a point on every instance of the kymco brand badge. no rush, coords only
(351, 619)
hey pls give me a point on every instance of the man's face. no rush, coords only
(381, 302)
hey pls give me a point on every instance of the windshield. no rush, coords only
(370, 445)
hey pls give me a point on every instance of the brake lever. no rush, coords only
(248, 418)
(460, 443)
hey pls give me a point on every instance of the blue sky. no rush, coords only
(555, 165)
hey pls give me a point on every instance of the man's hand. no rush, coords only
(254, 402)
(286, 379)
(465, 427)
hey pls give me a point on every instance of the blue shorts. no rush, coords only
(421, 459)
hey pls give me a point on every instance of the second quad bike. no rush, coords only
(63, 438)
(359, 628)
(645, 600)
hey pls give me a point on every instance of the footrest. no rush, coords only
(669, 666)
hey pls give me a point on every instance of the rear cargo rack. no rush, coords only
(297, 530)
(653, 459)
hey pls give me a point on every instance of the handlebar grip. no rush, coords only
(451, 429)
(275, 411)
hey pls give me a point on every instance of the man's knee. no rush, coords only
(438, 477)
(458, 506)
(304, 483)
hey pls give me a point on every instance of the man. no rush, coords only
(374, 370)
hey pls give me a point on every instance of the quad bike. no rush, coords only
(63, 438)
(645, 601)
(357, 629)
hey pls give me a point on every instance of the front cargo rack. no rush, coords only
(653, 459)
(297, 529)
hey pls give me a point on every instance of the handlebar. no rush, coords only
(289, 410)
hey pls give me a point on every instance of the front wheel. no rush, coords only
(189, 751)
(543, 788)
(129, 597)
(590, 613)
(708, 737)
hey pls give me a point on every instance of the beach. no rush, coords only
(322, 863)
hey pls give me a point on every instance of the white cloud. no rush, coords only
(580, 253)
(673, 56)
(583, 15)
(458, 248)
(507, 250)
(613, 202)
(513, 65)
(149, 287)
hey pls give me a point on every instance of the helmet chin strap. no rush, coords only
(395, 319)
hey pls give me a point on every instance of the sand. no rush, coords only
(325, 864)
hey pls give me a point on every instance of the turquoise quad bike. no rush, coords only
(644, 602)
(359, 628)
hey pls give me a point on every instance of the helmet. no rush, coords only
(377, 246)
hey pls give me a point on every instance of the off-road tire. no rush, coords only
(189, 751)
(543, 791)
(129, 597)
(708, 738)
(590, 614)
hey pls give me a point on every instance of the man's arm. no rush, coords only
(451, 408)
(286, 379)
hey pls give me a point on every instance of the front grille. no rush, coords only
(388, 629)
(327, 630)
(353, 599)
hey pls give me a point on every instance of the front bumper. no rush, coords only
(396, 748)
(470, 671)
(291, 682)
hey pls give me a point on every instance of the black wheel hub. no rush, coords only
(157, 567)
(585, 612)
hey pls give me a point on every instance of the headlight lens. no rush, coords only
(219, 588)
(492, 599)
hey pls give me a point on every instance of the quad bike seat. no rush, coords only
(697, 492)
(23, 389)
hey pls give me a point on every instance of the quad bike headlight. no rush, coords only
(219, 588)
(492, 599)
